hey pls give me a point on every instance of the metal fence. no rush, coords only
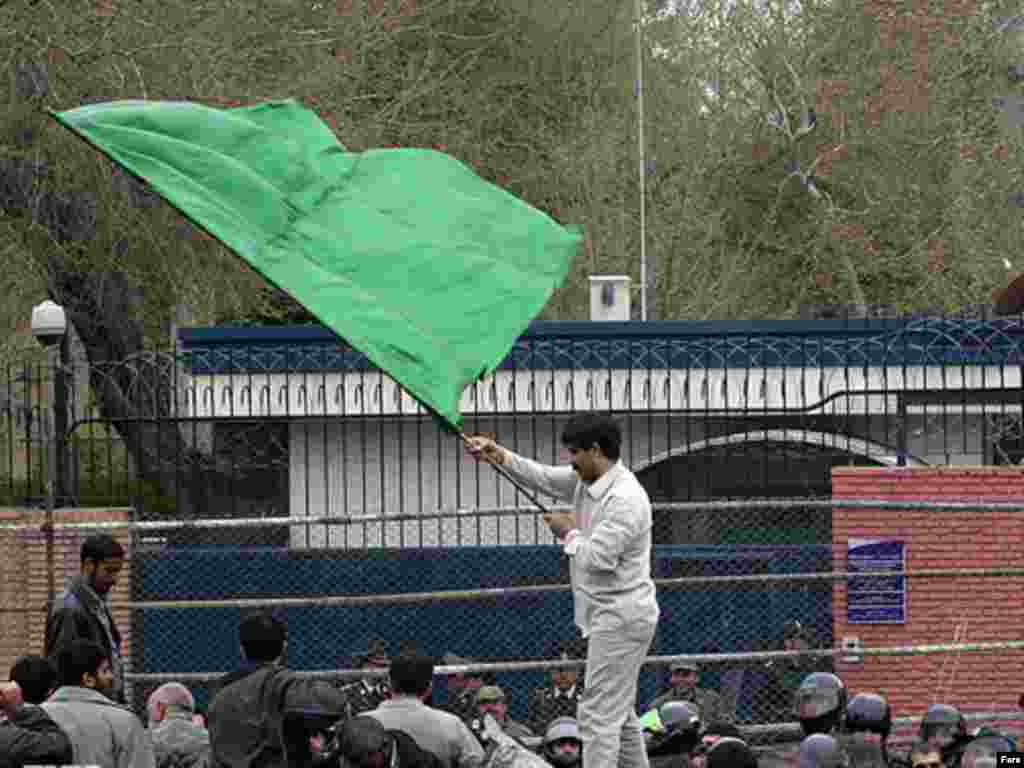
(287, 422)
(276, 467)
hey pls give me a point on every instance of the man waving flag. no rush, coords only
(406, 254)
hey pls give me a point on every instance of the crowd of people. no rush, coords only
(65, 712)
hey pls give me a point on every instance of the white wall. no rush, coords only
(360, 467)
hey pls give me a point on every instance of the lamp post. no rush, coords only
(49, 324)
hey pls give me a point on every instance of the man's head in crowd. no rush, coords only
(490, 700)
(411, 675)
(37, 677)
(364, 743)
(683, 676)
(102, 560)
(465, 682)
(376, 656)
(170, 698)
(710, 736)
(263, 638)
(729, 752)
(85, 664)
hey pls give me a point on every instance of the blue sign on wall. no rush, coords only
(876, 599)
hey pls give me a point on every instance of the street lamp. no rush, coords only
(49, 326)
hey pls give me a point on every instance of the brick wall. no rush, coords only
(939, 610)
(24, 584)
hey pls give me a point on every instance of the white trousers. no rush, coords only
(609, 726)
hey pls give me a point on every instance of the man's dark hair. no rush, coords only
(411, 674)
(78, 659)
(263, 636)
(102, 546)
(585, 430)
(37, 677)
(362, 737)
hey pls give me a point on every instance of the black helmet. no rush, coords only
(730, 753)
(943, 726)
(562, 730)
(819, 750)
(820, 703)
(869, 712)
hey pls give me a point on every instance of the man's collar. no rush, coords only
(600, 487)
(559, 693)
(79, 693)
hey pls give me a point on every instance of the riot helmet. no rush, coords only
(562, 746)
(819, 750)
(672, 728)
(730, 753)
(680, 717)
(870, 713)
(868, 725)
(943, 726)
(820, 703)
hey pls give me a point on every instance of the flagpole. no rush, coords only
(505, 473)
(641, 153)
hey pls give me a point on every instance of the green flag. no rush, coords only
(407, 254)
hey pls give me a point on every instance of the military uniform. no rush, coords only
(364, 695)
(546, 704)
(709, 703)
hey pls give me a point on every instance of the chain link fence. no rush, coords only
(754, 619)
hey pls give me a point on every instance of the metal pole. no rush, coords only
(52, 362)
(639, 13)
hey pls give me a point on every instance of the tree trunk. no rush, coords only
(133, 388)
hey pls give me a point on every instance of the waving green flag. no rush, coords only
(407, 254)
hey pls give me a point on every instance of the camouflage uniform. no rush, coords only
(709, 704)
(364, 695)
(546, 704)
(180, 743)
